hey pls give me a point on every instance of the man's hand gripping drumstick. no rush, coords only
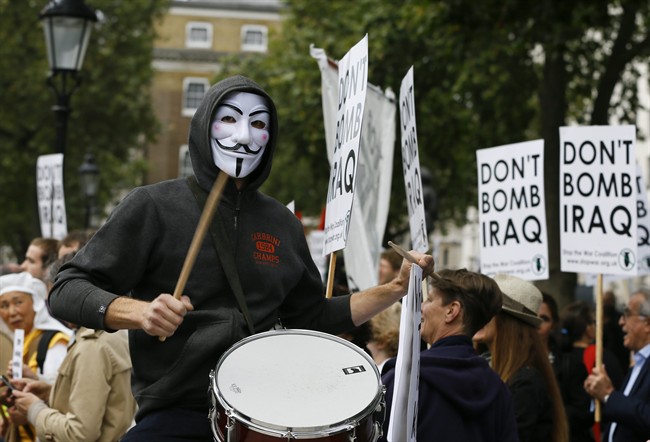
(162, 316)
(204, 223)
(367, 303)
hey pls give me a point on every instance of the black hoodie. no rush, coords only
(140, 251)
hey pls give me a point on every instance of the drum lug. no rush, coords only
(353, 435)
(231, 428)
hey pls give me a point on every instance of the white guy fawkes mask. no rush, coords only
(239, 133)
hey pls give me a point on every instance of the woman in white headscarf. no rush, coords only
(22, 306)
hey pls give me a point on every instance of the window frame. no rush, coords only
(254, 47)
(198, 44)
(187, 81)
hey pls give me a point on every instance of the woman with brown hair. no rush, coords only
(518, 355)
(384, 335)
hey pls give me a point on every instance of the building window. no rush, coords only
(193, 91)
(254, 38)
(184, 162)
(198, 35)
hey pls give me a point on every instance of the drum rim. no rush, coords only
(297, 432)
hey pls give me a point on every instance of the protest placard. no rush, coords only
(17, 354)
(374, 173)
(51, 198)
(598, 202)
(353, 79)
(512, 215)
(402, 426)
(411, 165)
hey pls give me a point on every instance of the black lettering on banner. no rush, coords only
(58, 214)
(613, 185)
(414, 191)
(407, 108)
(619, 221)
(521, 198)
(643, 237)
(349, 172)
(530, 229)
(601, 153)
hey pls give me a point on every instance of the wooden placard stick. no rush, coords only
(410, 258)
(330, 276)
(199, 234)
(599, 336)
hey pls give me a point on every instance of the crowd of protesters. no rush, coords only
(75, 382)
(253, 273)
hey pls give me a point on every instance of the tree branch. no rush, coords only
(621, 55)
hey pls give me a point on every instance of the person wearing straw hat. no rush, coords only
(517, 354)
(253, 268)
(627, 409)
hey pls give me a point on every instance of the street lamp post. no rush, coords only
(89, 182)
(67, 25)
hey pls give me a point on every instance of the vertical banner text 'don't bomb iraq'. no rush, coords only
(353, 80)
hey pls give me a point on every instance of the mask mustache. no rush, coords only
(238, 146)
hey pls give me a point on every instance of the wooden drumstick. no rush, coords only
(199, 234)
(407, 256)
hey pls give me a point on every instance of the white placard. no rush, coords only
(512, 214)
(411, 165)
(17, 355)
(51, 199)
(598, 214)
(374, 173)
(353, 79)
(404, 410)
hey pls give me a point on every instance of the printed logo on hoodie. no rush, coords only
(266, 249)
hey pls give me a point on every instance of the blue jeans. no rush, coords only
(169, 425)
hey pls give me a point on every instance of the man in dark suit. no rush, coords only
(628, 409)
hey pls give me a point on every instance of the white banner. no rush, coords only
(374, 173)
(512, 214)
(598, 213)
(51, 199)
(411, 165)
(403, 422)
(352, 87)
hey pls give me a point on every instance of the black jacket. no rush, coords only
(140, 252)
(460, 397)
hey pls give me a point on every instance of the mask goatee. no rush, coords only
(238, 167)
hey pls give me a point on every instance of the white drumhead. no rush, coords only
(297, 379)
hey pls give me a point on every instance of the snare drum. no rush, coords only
(296, 384)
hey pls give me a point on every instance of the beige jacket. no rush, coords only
(91, 399)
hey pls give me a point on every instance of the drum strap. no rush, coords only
(222, 246)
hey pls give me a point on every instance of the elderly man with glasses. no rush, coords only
(627, 409)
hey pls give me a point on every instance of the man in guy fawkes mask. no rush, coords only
(141, 249)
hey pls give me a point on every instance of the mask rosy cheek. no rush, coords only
(265, 137)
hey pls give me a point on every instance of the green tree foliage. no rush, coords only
(486, 74)
(111, 111)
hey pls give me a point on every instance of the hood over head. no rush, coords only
(200, 149)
